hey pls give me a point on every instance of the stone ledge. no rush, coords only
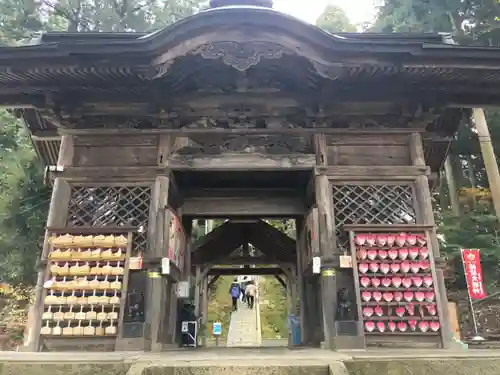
(472, 366)
(327, 364)
(20, 368)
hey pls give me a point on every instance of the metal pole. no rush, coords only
(475, 330)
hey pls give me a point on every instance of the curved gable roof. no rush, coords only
(237, 22)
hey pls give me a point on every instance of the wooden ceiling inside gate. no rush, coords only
(223, 240)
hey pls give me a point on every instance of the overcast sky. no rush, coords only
(358, 11)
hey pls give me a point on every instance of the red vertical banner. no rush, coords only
(473, 273)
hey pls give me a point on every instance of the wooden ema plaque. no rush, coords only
(84, 286)
(396, 285)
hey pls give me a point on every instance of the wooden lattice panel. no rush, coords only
(371, 204)
(110, 206)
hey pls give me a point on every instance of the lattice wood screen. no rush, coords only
(371, 204)
(111, 206)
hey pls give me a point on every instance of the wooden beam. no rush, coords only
(243, 206)
(281, 281)
(228, 192)
(92, 174)
(46, 135)
(252, 131)
(452, 93)
(237, 162)
(13, 101)
(396, 173)
(245, 271)
(229, 261)
(213, 280)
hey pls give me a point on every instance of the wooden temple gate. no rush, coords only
(243, 114)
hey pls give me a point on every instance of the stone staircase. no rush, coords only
(244, 327)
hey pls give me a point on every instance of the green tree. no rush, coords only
(23, 203)
(334, 20)
(470, 22)
(24, 199)
(117, 15)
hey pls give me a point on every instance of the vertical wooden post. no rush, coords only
(289, 301)
(197, 292)
(452, 188)
(57, 217)
(58, 213)
(427, 217)
(204, 299)
(489, 158)
(327, 251)
(66, 151)
(158, 220)
(187, 224)
(299, 230)
(323, 192)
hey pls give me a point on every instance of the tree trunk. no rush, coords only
(452, 188)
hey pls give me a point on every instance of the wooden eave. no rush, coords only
(110, 50)
(124, 66)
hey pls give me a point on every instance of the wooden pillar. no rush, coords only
(452, 188)
(327, 245)
(158, 247)
(204, 303)
(187, 224)
(58, 213)
(327, 250)
(197, 292)
(57, 217)
(172, 309)
(489, 158)
(423, 196)
(299, 232)
(289, 302)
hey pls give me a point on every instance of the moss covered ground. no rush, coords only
(273, 309)
(219, 304)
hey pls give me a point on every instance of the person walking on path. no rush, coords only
(242, 288)
(235, 291)
(250, 292)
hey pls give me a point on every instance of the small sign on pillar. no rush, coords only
(165, 266)
(328, 272)
(183, 289)
(345, 261)
(316, 266)
(217, 331)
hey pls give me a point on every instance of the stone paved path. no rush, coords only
(244, 328)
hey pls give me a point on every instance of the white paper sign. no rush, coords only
(165, 266)
(316, 265)
(183, 289)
